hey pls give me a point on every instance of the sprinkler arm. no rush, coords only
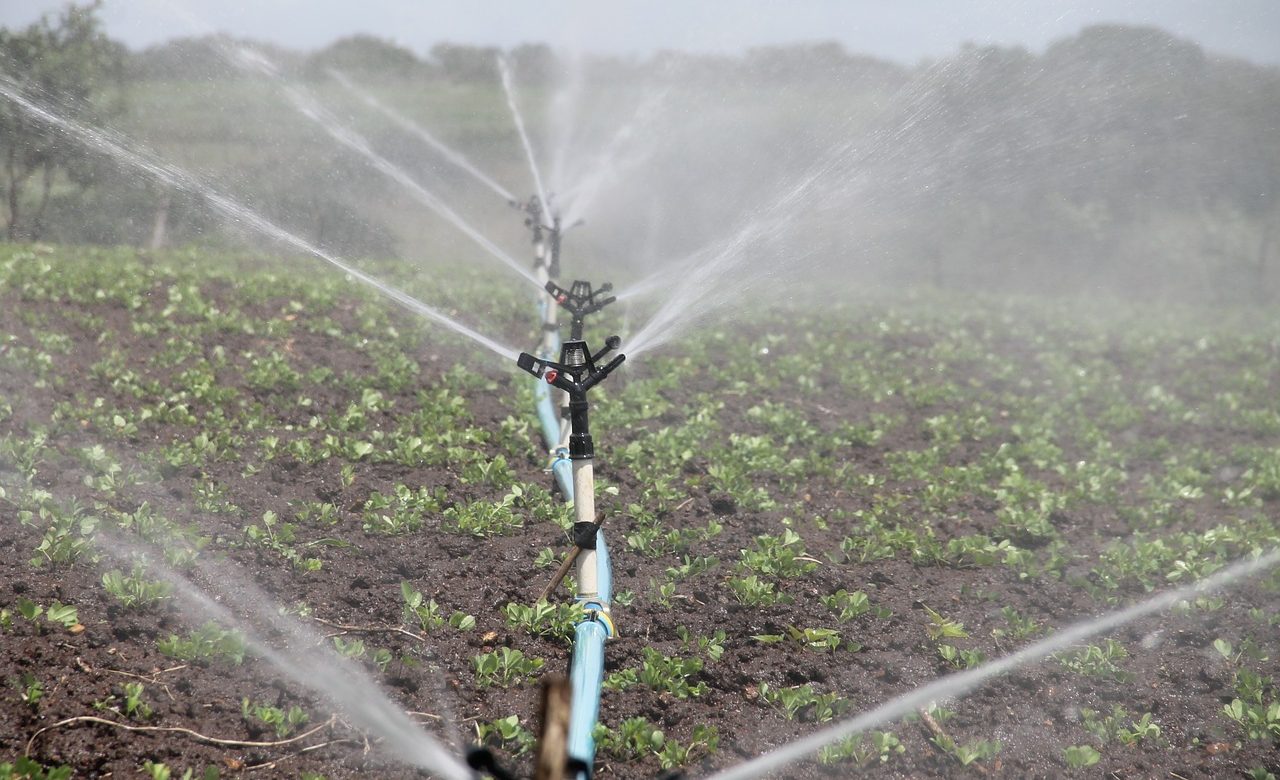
(580, 300)
(575, 380)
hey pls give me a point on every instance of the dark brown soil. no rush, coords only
(1034, 713)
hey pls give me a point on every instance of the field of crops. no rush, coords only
(811, 510)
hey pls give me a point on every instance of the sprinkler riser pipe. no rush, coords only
(584, 511)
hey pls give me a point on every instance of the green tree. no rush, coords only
(66, 63)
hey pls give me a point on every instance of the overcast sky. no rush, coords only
(902, 30)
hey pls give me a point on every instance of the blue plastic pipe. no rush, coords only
(586, 673)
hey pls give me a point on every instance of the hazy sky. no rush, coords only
(903, 30)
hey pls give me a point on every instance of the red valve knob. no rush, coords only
(551, 375)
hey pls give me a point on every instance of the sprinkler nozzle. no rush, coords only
(580, 300)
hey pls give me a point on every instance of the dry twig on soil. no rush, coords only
(176, 730)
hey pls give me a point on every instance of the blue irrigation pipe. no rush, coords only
(548, 416)
(586, 670)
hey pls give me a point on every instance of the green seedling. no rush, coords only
(134, 706)
(505, 667)
(779, 556)
(791, 702)
(29, 769)
(636, 739)
(30, 690)
(545, 619)
(1020, 626)
(863, 749)
(506, 733)
(134, 590)
(661, 673)
(1081, 756)
(943, 628)
(848, 606)
(710, 646)
(428, 614)
(353, 648)
(969, 752)
(283, 722)
(960, 659)
(1098, 661)
(209, 642)
(280, 538)
(755, 592)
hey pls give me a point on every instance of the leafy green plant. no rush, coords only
(848, 606)
(283, 722)
(1098, 661)
(428, 614)
(404, 511)
(30, 690)
(281, 539)
(710, 646)
(863, 749)
(545, 619)
(779, 556)
(940, 627)
(969, 752)
(485, 518)
(1081, 756)
(134, 590)
(793, 701)
(24, 768)
(209, 642)
(755, 592)
(506, 733)
(661, 673)
(960, 659)
(134, 706)
(504, 667)
(636, 739)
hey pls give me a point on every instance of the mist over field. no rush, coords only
(920, 370)
(1120, 159)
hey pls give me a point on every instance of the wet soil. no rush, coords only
(1034, 713)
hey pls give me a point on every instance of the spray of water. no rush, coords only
(306, 661)
(958, 684)
(505, 69)
(712, 278)
(718, 275)
(115, 147)
(308, 106)
(613, 161)
(408, 125)
(563, 120)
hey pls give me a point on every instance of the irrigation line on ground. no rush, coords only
(960, 683)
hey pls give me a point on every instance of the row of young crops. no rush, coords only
(811, 510)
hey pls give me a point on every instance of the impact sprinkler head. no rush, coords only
(576, 372)
(580, 300)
